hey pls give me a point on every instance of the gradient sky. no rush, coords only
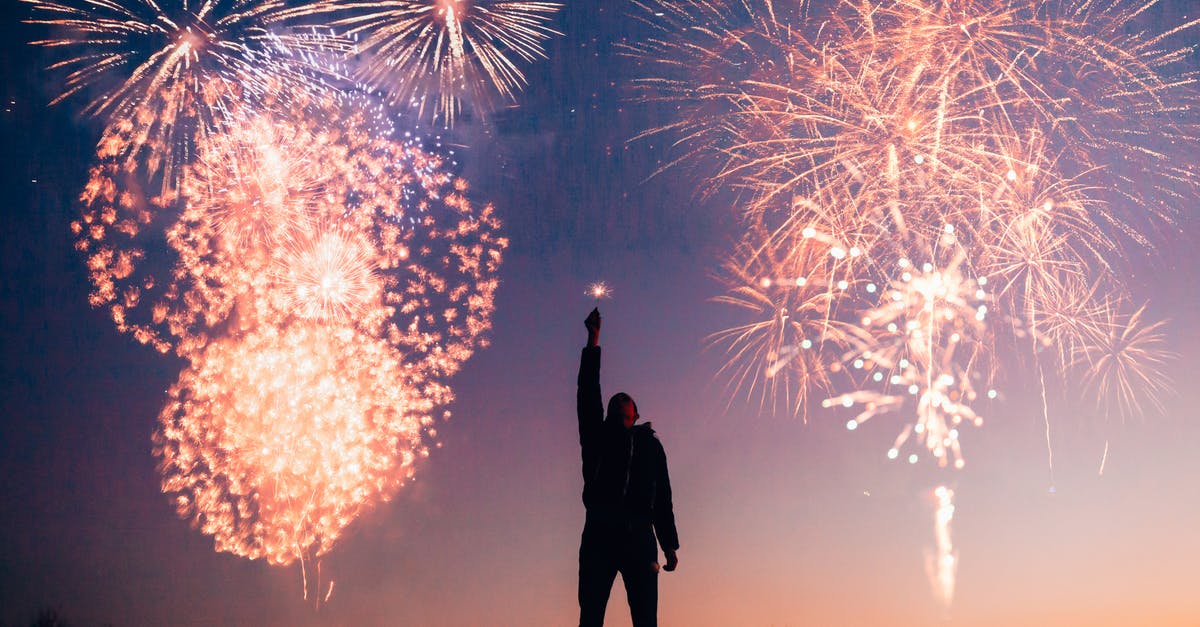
(781, 522)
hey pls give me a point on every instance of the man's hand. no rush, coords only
(672, 561)
(593, 326)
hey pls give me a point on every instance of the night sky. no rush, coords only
(780, 522)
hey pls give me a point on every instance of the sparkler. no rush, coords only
(599, 290)
(439, 54)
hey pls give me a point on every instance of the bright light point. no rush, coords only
(843, 284)
(895, 380)
(991, 393)
(765, 282)
(837, 252)
(801, 281)
(955, 337)
(982, 280)
(858, 363)
(855, 251)
(600, 290)
(980, 294)
(893, 453)
(919, 428)
(928, 267)
(851, 425)
(913, 389)
(891, 327)
(912, 459)
(806, 343)
(919, 159)
(953, 434)
(983, 309)
(903, 363)
(1012, 175)
(907, 276)
(1048, 206)
(949, 228)
(866, 322)
(809, 232)
(958, 463)
(871, 287)
(877, 377)
(903, 263)
(847, 402)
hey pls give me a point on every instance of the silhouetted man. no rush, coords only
(627, 495)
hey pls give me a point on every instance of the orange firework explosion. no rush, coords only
(282, 217)
(436, 54)
(274, 441)
(323, 280)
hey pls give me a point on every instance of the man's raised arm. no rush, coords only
(587, 400)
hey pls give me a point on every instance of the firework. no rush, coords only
(274, 441)
(942, 565)
(1123, 360)
(882, 127)
(438, 54)
(778, 101)
(167, 74)
(926, 343)
(281, 217)
(932, 193)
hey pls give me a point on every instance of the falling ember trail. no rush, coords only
(942, 568)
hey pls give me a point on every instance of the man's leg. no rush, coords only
(597, 569)
(639, 572)
(641, 588)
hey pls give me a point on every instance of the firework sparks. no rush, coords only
(168, 74)
(942, 565)
(599, 290)
(1124, 358)
(274, 441)
(925, 342)
(436, 54)
(280, 218)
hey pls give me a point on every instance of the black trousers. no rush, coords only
(606, 549)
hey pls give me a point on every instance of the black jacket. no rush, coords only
(625, 477)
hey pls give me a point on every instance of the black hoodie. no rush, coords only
(625, 477)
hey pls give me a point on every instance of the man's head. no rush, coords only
(621, 407)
